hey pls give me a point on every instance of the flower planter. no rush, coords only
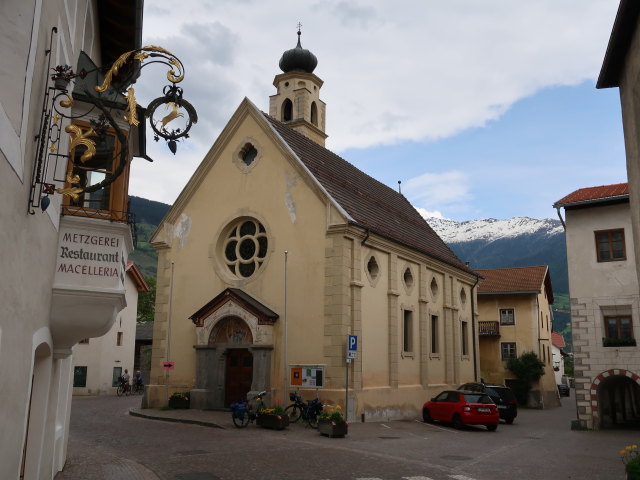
(61, 83)
(177, 402)
(332, 429)
(275, 422)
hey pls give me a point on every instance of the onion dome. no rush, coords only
(298, 59)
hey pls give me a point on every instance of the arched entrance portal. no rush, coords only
(234, 347)
(232, 337)
(619, 402)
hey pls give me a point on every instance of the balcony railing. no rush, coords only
(489, 329)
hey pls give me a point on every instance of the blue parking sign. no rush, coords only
(352, 343)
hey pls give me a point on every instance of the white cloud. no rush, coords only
(393, 71)
(426, 214)
(447, 191)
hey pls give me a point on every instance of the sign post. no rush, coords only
(352, 353)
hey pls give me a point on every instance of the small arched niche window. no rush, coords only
(287, 110)
(463, 296)
(314, 114)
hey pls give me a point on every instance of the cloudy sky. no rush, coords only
(481, 108)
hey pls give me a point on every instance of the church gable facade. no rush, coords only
(277, 249)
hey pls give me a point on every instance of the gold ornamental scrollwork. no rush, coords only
(78, 137)
(174, 75)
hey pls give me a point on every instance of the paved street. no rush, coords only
(108, 443)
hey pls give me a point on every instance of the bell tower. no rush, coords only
(297, 102)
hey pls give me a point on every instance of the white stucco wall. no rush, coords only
(597, 289)
(102, 354)
(36, 387)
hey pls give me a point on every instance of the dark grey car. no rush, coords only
(501, 395)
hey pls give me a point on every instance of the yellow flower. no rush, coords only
(338, 407)
(623, 452)
(634, 447)
(628, 447)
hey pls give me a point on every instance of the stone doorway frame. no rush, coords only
(594, 393)
(211, 358)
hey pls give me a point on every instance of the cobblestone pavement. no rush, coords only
(107, 442)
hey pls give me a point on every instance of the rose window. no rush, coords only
(245, 248)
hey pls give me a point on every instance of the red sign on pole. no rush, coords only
(168, 365)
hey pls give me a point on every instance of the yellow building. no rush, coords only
(514, 307)
(277, 249)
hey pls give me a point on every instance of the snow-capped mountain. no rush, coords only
(514, 242)
(491, 229)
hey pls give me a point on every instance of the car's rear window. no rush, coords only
(477, 398)
(505, 393)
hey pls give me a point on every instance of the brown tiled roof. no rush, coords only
(557, 339)
(515, 280)
(371, 204)
(595, 194)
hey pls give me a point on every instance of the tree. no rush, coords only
(527, 368)
(147, 302)
(568, 365)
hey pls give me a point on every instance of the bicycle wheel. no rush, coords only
(241, 420)
(294, 412)
(120, 390)
(312, 419)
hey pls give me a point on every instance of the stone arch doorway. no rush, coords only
(234, 348)
(232, 336)
(617, 399)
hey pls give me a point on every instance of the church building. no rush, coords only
(278, 249)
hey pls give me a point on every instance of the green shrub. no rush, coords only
(527, 368)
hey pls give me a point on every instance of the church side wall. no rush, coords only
(391, 289)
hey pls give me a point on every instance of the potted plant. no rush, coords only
(332, 423)
(631, 460)
(275, 418)
(179, 400)
(62, 75)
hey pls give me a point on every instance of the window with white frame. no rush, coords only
(507, 316)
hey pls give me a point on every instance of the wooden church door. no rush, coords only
(238, 375)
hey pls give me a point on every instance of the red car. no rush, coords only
(461, 408)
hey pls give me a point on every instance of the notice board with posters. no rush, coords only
(306, 376)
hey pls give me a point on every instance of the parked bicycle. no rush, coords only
(137, 388)
(123, 388)
(309, 411)
(243, 413)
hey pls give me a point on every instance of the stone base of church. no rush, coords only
(203, 399)
(157, 396)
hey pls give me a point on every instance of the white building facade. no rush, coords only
(53, 295)
(99, 362)
(604, 305)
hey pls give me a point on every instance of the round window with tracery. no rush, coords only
(245, 248)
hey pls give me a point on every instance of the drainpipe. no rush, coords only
(473, 326)
(365, 238)
(561, 219)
